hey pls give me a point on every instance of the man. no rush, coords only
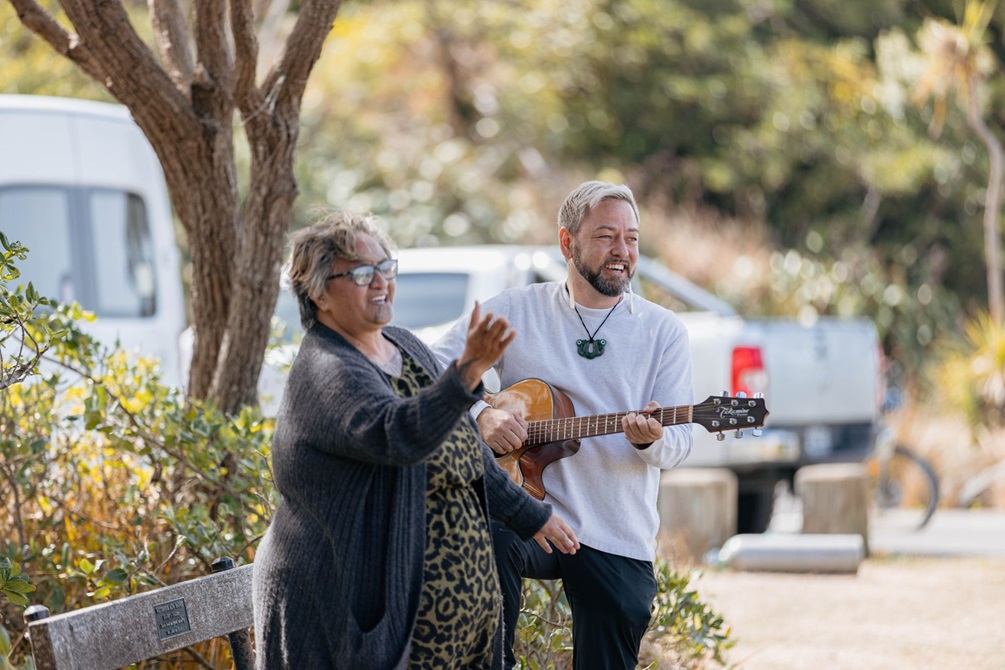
(609, 351)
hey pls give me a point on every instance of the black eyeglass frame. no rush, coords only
(363, 275)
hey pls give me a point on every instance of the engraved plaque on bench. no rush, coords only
(172, 618)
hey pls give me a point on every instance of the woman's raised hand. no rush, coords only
(488, 337)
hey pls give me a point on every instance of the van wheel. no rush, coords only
(754, 510)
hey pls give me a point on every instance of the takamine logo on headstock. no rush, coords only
(720, 413)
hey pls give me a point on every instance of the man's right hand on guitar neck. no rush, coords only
(502, 430)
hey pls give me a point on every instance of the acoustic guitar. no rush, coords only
(554, 431)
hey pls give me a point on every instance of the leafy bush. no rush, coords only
(684, 632)
(13, 584)
(112, 483)
(30, 324)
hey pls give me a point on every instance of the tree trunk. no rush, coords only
(185, 105)
(992, 203)
(256, 281)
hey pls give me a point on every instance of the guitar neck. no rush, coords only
(572, 428)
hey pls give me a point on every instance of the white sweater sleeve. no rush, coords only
(676, 379)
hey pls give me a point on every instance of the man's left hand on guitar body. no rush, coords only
(641, 428)
(503, 431)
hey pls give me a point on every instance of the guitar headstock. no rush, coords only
(721, 413)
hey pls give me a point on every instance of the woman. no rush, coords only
(379, 554)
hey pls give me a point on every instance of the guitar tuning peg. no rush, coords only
(720, 436)
(725, 394)
(756, 432)
(739, 434)
(758, 395)
(741, 394)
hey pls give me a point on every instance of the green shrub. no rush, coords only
(684, 632)
(112, 483)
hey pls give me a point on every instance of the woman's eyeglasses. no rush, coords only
(363, 275)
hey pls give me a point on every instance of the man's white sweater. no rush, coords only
(607, 491)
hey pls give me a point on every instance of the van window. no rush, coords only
(123, 254)
(39, 218)
(89, 245)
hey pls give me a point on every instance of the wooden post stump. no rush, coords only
(697, 508)
(835, 499)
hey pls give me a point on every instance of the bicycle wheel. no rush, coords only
(907, 491)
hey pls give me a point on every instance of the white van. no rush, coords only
(81, 187)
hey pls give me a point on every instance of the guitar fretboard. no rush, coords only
(575, 427)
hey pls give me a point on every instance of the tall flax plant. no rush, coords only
(985, 371)
(959, 60)
(972, 376)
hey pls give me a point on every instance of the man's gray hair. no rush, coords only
(588, 195)
(314, 249)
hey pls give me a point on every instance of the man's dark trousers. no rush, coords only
(611, 598)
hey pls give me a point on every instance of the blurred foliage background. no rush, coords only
(783, 133)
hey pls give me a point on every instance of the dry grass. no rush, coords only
(727, 256)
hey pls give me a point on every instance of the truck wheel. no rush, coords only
(754, 510)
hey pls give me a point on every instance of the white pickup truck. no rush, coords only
(821, 382)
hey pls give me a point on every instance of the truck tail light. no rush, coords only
(748, 375)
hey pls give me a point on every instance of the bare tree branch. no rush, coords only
(212, 47)
(173, 41)
(288, 79)
(41, 22)
(131, 71)
(242, 22)
(992, 200)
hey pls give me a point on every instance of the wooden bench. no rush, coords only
(140, 627)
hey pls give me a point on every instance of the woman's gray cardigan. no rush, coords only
(338, 575)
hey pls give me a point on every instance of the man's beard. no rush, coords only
(608, 287)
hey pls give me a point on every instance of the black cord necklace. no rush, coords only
(592, 348)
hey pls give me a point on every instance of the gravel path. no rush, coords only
(916, 614)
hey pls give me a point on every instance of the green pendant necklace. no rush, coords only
(592, 348)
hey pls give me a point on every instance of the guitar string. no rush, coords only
(574, 427)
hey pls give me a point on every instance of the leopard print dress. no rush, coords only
(460, 602)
